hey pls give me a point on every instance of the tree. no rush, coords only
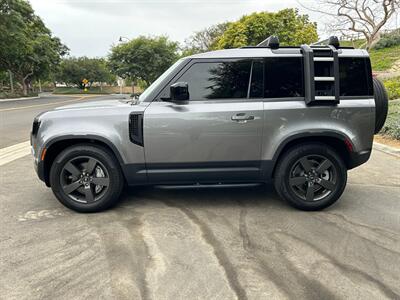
(204, 40)
(287, 24)
(3, 79)
(143, 58)
(366, 17)
(75, 70)
(27, 47)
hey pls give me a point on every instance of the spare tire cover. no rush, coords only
(381, 104)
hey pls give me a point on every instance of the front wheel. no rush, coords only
(86, 178)
(310, 176)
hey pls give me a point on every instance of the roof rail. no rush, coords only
(270, 42)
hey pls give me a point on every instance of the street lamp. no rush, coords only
(121, 80)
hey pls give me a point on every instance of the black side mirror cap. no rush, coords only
(179, 91)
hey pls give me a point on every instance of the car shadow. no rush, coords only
(263, 195)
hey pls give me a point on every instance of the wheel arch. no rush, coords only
(339, 141)
(56, 145)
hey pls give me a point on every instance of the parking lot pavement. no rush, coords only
(202, 244)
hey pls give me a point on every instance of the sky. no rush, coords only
(90, 27)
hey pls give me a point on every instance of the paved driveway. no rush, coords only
(202, 244)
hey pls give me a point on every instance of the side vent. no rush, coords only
(136, 128)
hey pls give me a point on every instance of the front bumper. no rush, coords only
(40, 172)
(38, 165)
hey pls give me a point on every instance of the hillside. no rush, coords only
(381, 59)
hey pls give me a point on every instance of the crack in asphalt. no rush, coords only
(212, 241)
(386, 290)
(313, 288)
(130, 257)
(143, 284)
(336, 224)
(251, 250)
(373, 228)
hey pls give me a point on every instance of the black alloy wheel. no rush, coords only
(313, 177)
(310, 176)
(86, 178)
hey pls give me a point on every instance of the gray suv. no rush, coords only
(297, 116)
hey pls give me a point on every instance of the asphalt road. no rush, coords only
(16, 117)
(199, 244)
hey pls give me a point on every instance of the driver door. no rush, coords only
(216, 135)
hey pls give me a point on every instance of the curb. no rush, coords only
(387, 149)
(19, 99)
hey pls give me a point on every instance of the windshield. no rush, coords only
(159, 79)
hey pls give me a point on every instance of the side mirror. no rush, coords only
(179, 91)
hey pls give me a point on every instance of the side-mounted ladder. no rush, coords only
(321, 70)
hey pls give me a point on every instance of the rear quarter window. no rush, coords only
(284, 77)
(355, 76)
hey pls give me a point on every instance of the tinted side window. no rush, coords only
(221, 80)
(355, 76)
(283, 77)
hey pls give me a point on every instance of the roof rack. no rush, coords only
(273, 43)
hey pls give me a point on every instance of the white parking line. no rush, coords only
(11, 153)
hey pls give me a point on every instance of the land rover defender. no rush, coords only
(299, 117)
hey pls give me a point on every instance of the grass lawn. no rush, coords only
(392, 125)
(383, 59)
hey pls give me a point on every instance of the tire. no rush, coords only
(381, 104)
(326, 176)
(86, 178)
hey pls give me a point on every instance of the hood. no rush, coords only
(95, 104)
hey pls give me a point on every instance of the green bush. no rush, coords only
(389, 40)
(392, 124)
(392, 86)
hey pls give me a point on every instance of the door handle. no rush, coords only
(241, 117)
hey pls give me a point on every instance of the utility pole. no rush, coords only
(11, 82)
(40, 86)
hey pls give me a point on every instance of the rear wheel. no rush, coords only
(86, 178)
(310, 176)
